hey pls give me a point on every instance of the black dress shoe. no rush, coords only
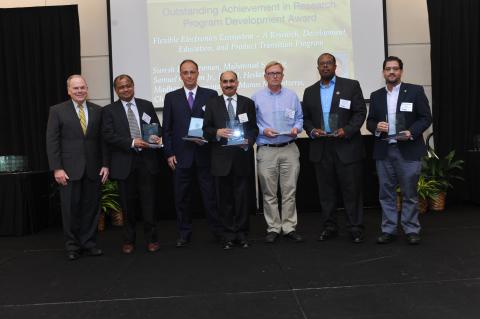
(413, 239)
(271, 236)
(244, 243)
(182, 242)
(72, 255)
(94, 251)
(228, 245)
(357, 237)
(294, 236)
(385, 238)
(327, 234)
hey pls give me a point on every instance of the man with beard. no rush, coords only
(231, 164)
(333, 113)
(399, 114)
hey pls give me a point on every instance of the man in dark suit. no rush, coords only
(333, 113)
(79, 163)
(232, 165)
(188, 159)
(135, 163)
(399, 114)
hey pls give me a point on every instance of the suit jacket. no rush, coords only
(416, 121)
(350, 148)
(226, 159)
(116, 132)
(71, 150)
(176, 120)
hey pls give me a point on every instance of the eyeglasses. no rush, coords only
(273, 74)
(229, 81)
(393, 68)
(326, 63)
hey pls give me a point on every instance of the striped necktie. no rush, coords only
(83, 120)
(231, 111)
(132, 122)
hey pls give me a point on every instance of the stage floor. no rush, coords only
(336, 279)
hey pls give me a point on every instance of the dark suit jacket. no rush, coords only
(350, 148)
(416, 121)
(176, 120)
(226, 159)
(68, 148)
(116, 133)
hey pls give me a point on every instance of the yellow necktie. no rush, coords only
(83, 121)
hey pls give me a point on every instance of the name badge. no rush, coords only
(345, 104)
(406, 107)
(146, 118)
(243, 117)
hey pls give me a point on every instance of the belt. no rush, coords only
(278, 145)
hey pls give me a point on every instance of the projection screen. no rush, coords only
(149, 39)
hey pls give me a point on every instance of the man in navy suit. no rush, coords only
(79, 161)
(231, 165)
(399, 114)
(335, 105)
(188, 159)
(135, 163)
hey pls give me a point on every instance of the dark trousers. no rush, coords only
(183, 179)
(140, 184)
(233, 206)
(333, 177)
(80, 211)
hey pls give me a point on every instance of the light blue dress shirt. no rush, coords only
(267, 103)
(326, 95)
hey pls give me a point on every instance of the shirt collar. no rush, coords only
(275, 93)
(194, 90)
(395, 89)
(332, 82)
(75, 104)
(234, 98)
(132, 101)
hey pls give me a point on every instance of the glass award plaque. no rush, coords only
(147, 131)
(331, 126)
(283, 121)
(237, 138)
(195, 131)
(396, 127)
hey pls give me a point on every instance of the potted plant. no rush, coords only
(109, 205)
(426, 188)
(444, 171)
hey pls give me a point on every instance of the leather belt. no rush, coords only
(278, 145)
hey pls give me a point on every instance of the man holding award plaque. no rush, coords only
(399, 114)
(133, 133)
(333, 113)
(279, 120)
(230, 126)
(187, 153)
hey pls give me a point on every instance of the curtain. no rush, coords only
(39, 49)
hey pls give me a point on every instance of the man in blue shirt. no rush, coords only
(334, 111)
(280, 120)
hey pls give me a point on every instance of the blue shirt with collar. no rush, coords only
(267, 103)
(326, 96)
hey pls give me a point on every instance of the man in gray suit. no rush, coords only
(79, 163)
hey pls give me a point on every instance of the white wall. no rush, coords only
(408, 38)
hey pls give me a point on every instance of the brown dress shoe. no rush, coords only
(153, 247)
(128, 248)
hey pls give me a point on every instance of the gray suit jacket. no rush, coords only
(68, 148)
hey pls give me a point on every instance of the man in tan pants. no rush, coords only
(280, 120)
